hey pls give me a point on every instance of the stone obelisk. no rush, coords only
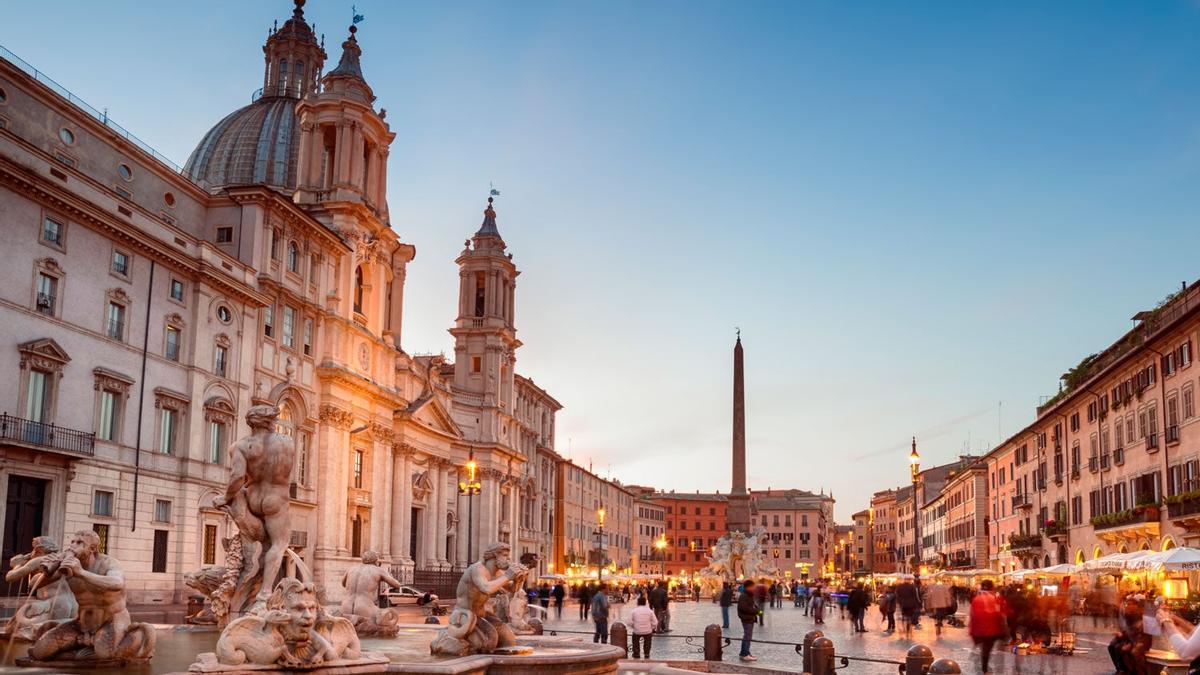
(737, 516)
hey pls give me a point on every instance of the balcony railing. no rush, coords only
(1024, 541)
(1104, 461)
(1021, 501)
(45, 304)
(1139, 515)
(1184, 505)
(49, 436)
(1119, 456)
(1093, 464)
(1056, 529)
(1151, 441)
(1173, 434)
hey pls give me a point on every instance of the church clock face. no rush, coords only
(364, 356)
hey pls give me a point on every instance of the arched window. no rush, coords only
(281, 85)
(293, 257)
(358, 289)
(298, 85)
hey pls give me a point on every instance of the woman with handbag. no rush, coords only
(988, 622)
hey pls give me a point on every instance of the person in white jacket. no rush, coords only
(643, 622)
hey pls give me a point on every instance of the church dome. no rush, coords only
(254, 145)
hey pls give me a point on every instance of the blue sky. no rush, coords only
(913, 211)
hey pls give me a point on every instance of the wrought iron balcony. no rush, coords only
(1021, 501)
(1173, 433)
(46, 436)
(1151, 441)
(1018, 542)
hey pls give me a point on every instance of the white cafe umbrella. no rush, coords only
(1114, 562)
(1174, 560)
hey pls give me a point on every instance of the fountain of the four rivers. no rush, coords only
(74, 616)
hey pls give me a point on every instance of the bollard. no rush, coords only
(536, 626)
(917, 660)
(822, 656)
(945, 667)
(618, 636)
(806, 656)
(432, 619)
(713, 641)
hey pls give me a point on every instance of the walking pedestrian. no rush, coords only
(559, 594)
(857, 603)
(726, 602)
(544, 595)
(600, 614)
(818, 605)
(658, 603)
(938, 602)
(644, 624)
(747, 611)
(887, 607)
(585, 601)
(909, 601)
(987, 621)
(760, 597)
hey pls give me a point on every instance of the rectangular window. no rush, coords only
(308, 331)
(120, 263)
(268, 321)
(107, 428)
(47, 294)
(224, 234)
(210, 544)
(162, 511)
(177, 290)
(172, 348)
(52, 232)
(289, 327)
(101, 531)
(275, 234)
(302, 460)
(1189, 403)
(476, 364)
(358, 469)
(220, 358)
(115, 324)
(216, 441)
(102, 503)
(159, 565)
(37, 403)
(166, 437)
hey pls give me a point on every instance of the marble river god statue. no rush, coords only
(102, 634)
(50, 602)
(361, 584)
(472, 627)
(257, 499)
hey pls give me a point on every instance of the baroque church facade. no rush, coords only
(149, 306)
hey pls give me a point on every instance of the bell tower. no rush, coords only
(485, 337)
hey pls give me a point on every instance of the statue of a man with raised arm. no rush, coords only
(258, 499)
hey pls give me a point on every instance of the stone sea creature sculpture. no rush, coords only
(473, 628)
(50, 602)
(103, 634)
(361, 584)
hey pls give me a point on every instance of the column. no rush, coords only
(399, 547)
(429, 552)
(341, 168)
(441, 512)
(396, 313)
(382, 533)
(462, 293)
(306, 142)
(356, 157)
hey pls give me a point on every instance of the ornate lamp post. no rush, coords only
(470, 487)
(600, 544)
(661, 546)
(914, 461)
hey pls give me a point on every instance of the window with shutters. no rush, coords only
(1189, 402)
(159, 564)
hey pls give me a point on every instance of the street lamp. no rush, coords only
(914, 461)
(661, 547)
(470, 487)
(600, 544)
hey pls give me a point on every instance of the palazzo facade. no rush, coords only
(148, 306)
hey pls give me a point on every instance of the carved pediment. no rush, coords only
(430, 413)
(118, 295)
(175, 319)
(50, 265)
(112, 381)
(336, 417)
(43, 354)
(170, 400)
(422, 485)
(218, 409)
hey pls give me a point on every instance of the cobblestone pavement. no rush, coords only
(789, 624)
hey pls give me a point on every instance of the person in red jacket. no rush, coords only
(987, 621)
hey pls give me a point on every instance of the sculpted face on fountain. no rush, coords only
(300, 603)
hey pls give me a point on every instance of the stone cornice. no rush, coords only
(36, 186)
(275, 202)
(344, 376)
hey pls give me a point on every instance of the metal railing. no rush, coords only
(99, 116)
(45, 435)
(45, 304)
